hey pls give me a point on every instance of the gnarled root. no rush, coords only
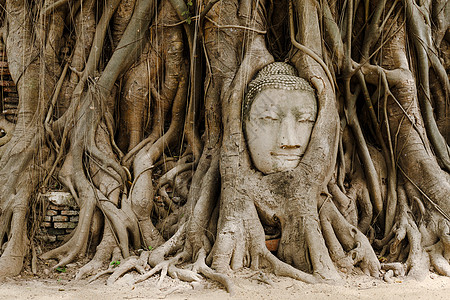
(241, 243)
(14, 204)
(342, 237)
(440, 252)
(405, 227)
(130, 263)
(106, 250)
(201, 267)
(157, 260)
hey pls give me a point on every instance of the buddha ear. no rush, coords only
(318, 84)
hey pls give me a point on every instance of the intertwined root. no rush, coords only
(417, 240)
(118, 268)
(347, 245)
(404, 245)
(440, 251)
(147, 264)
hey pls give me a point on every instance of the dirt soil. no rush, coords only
(249, 285)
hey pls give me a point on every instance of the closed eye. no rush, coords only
(269, 116)
(306, 118)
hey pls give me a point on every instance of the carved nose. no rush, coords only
(288, 137)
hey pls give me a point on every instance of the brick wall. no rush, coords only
(8, 93)
(61, 217)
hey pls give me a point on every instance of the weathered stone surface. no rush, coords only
(47, 219)
(51, 212)
(71, 225)
(74, 219)
(69, 212)
(56, 231)
(58, 208)
(281, 111)
(61, 225)
(47, 224)
(61, 199)
(64, 225)
(60, 218)
(47, 238)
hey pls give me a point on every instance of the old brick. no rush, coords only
(60, 198)
(55, 207)
(9, 106)
(6, 82)
(10, 99)
(47, 219)
(10, 89)
(71, 225)
(47, 224)
(74, 219)
(56, 231)
(47, 238)
(64, 225)
(60, 218)
(61, 225)
(70, 212)
(51, 212)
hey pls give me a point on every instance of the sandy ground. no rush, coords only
(247, 287)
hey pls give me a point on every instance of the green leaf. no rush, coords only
(115, 263)
(61, 269)
(150, 248)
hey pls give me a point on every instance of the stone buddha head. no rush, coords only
(280, 110)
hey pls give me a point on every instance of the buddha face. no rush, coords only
(278, 128)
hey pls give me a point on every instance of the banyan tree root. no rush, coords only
(405, 229)
(347, 245)
(106, 252)
(439, 258)
(228, 203)
(99, 193)
(118, 268)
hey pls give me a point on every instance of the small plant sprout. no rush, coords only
(188, 16)
(61, 269)
(115, 263)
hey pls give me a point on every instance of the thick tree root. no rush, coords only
(201, 267)
(405, 241)
(169, 267)
(341, 236)
(440, 252)
(130, 263)
(11, 260)
(106, 251)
